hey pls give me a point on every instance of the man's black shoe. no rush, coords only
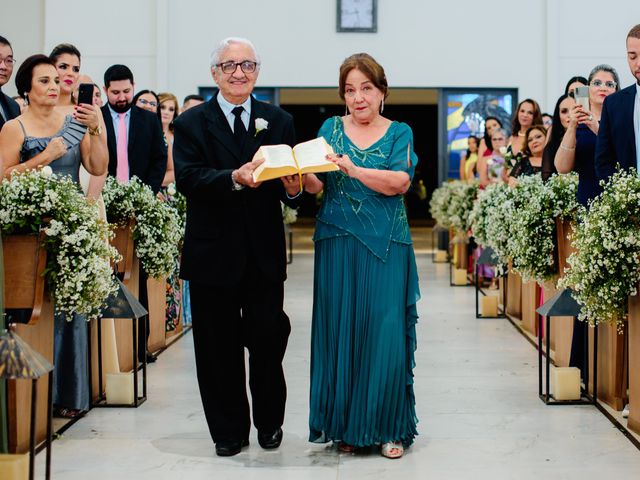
(230, 448)
(270, 440)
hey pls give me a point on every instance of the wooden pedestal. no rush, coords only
(514, 293)
(564, 247)
(612, 372)
(530, 299)
(634, 364)
(24, 262)
(157, 296)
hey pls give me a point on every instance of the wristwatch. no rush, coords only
(235, 185)
(95, 131)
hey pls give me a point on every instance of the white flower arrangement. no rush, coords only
(78, 253)
(289, 215)
(605, 268)
(158, 230)
(261, 124)
(451, 204)
(518, 223)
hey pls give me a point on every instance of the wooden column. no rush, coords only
(530, 299)
(514, 293)
(612, 372)
(24, 288)
(634, 363)
(157, 296)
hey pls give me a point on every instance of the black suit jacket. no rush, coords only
(147, 150)
(10, 107)
(226, 229)
(616, 142)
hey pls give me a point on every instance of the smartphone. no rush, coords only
(85, 93)
(581, 95)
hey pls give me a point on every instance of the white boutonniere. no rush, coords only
(261, 124)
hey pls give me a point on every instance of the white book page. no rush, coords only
(276, 156)
(312, 153)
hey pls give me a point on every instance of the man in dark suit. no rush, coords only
(141, 150)
(234, 251)
(619, 133)
(9, 109)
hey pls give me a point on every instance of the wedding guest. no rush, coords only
(147, 100)
(577, 149)
(573, 83)
(9, 109)
(191, 101)
(491, 168)
(527, 114)
(45, 135)
(619, 133)
(531, 161)
(168, 113)
(366, 284)
(485, 148)
(561, 119)
(547, 120)
(66, 59)
(469, 159)
(234, 251)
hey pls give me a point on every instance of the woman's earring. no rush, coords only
(346, 110)
(26, 98)
(382, 106)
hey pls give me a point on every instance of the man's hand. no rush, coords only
(244, 175)
(292, 184)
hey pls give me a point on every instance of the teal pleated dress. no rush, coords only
(365, 293)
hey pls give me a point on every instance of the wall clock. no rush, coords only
(357, 16)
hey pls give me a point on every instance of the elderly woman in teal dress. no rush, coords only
(365, 282)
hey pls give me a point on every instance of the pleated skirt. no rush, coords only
(362, 344)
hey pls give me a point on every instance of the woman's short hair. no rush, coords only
(525, 149)
(24, 76)
(603, 67)
(62, 49)
(369, 67)
(165, 97)
(537, 115)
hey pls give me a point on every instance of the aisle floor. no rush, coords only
(476, 391)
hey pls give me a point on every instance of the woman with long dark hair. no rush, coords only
(561, 119)
(526, 115)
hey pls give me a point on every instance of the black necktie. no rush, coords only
(239, 131)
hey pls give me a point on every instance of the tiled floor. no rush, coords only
(476, 389)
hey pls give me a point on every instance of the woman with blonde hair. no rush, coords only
(169, 110)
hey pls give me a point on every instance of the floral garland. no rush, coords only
(604, 270)
(78, 253)
(451, 204)
(536, 207)
(157, 232)
(492, 219)
(178, 202)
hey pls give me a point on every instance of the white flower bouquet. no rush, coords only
(78, 253)
(451, 204)
(158, 230)
(605, 269)
(289, 215)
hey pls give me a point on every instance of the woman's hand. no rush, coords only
(55, 149)
(87, 115)
(344, 163)
(576, 114)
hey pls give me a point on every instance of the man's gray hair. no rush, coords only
(222, 46)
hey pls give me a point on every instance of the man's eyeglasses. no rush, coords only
(151, 103)
(598, 83)
(8, 61)
(230, 67)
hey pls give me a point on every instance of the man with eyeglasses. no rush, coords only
(619, 134)
(234, 250)
(9, 109)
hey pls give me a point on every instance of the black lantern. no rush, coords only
(563, 304)
(124, 305)
(18, 361)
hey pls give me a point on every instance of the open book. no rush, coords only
(282, 160)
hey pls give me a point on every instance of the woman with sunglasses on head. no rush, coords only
(576, 151)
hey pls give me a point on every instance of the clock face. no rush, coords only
(356, 15)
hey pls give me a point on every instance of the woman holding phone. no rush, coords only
(576, 151)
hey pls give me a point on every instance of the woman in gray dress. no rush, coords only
(43, 136)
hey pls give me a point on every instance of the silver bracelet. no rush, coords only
(568, 149)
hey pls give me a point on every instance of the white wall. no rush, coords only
(534, 45)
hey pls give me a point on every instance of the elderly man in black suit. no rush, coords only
(234, 250)
(619, 135)
(9, 109)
